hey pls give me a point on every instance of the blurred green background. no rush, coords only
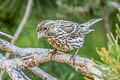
(80, 11)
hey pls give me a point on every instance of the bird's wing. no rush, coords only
(71, 29)
(67, 26)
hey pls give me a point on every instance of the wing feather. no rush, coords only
(67, 26)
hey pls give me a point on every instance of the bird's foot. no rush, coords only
(53, 53)
(73, 57)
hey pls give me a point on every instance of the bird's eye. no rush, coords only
(45, 28)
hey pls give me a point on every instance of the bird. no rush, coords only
(65, 35)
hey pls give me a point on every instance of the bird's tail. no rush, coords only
(92, 21)
(86, 29)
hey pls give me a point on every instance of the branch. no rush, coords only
(10, 48)
(20, 27)
(39, 72)
(6, 35)
(35, 56)
(16, 74)
(114, 4)
(11, 69)
(106, 20)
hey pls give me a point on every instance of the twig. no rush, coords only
(106, 20)
(11, 69)
(39, 72)
(17, 75)
(7, 54)
(39, 55)
(114, 4)
(6, 35)
(21, 25)
(10, 48)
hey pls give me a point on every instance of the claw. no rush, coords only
(53, 53)
(73, 58)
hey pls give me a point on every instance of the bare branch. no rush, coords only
(106, 20)
(8, 47)
(20, 27)
(6, 35)
(39, 55)
(39, 72)
(11, 69)
(17, 75)
(35, 70)
(114, 4)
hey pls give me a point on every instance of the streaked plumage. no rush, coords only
(65, 35)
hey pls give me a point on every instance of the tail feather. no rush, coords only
(86, 25)
(88, 31)
(92, 21)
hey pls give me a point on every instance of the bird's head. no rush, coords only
(43, 27)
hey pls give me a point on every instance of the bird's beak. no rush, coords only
(40, 34)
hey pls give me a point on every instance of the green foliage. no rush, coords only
(110, 58)
(6, 77)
